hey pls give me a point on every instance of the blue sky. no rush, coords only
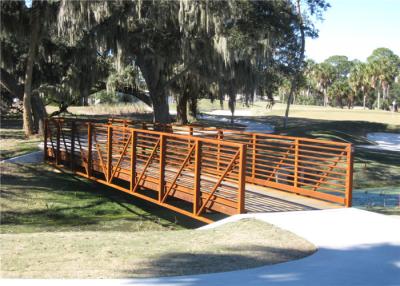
(355, 28)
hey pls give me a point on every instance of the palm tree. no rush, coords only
(373, 80)
(324, 74)
(358, 80)
(383, 67)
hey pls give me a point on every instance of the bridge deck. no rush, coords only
(262, 199)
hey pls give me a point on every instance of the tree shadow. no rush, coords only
(73, 201)
(227, 259)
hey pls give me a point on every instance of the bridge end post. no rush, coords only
(197, 170)
(242, 179)
(46, 122)
(349, 176)
(89, 156)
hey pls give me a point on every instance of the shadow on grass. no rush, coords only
(35, 196)
(364, 155)
(227, 259)
(11, 123)
(368, 265)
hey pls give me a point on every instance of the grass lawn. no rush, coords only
(38, 198)
(13, 141)
(307, 112)
(148, 254)
(55, 225)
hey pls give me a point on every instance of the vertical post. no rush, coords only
(109, 152)
(89, 157)
(72, 157)
(58, 155)
(296, 162)
(190, 134)
(46, 126)
(197, 170)
(242, 179)
(220, 136)
(133, 160)
(162, 168)
(349, 176)
(254, 156)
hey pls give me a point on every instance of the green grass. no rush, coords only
(36, 198)
(13, 141)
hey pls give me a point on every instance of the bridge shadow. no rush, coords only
(69, 200)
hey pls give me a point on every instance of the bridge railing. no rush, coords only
(315, 168)
(319, 169)
(160, 167)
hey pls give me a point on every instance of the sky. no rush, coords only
(355, 28)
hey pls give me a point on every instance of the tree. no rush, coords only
(358, 80)
(383, 66)
(324, 75)
(232, 44)
(340, 91)
(22, 27)
(341, 66)
(315, 7)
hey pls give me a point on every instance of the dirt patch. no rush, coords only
(244, 244)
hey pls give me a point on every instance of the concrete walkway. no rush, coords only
(355, 247)
(34, 157)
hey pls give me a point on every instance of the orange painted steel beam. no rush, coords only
(349, 176)
(89, 156)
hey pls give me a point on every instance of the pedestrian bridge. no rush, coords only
(204, 172)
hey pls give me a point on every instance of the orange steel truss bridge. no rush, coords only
(197, 171)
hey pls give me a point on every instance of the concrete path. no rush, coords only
(34, 157)
(355, 247)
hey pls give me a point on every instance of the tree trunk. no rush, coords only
(292, 89)
(379, 99)
(181, 108)
(27, 114)
(39, 113)
(364, 100)
(84, 100)
(160, 107)
(296, 77)
(193, 107)
(155, 80)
